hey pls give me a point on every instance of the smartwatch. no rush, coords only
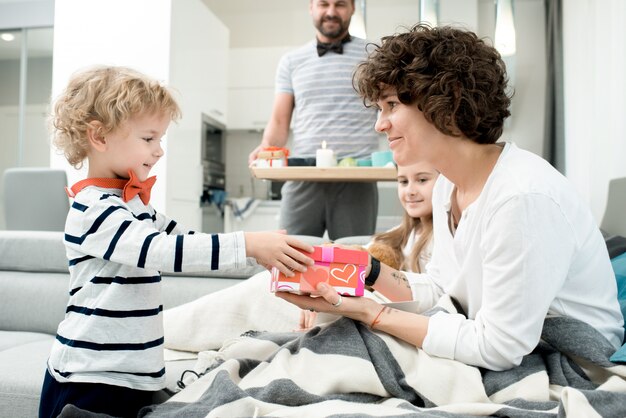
(374, 272)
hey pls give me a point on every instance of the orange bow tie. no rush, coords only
(130, 188)
(136, 187)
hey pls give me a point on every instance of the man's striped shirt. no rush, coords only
(327, 108)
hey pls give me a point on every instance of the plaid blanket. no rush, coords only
(344, 369)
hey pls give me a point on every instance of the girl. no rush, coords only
(412, 239)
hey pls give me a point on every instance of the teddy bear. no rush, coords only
(385, 254)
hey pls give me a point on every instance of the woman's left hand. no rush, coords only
(326, 299)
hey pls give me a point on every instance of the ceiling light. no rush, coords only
(7, 37)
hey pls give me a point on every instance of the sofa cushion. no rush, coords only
(355, 240)
(33, 302)
(10, 339)
(616, 245)
(41, 251)
(22, 370)
(619, 267)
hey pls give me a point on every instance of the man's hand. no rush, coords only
(253, 155)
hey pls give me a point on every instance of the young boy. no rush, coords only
(108, 353)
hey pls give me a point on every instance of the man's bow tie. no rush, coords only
(323, 47)
(337, 47)
(130, 188)
(136, 187)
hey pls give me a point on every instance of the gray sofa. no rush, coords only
(34, 284)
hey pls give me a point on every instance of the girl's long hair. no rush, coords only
(398, 237)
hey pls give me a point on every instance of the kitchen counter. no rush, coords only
(261, 215)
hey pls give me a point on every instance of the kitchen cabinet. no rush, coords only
(199, 72)
(251, 86)
(262, 216)
(199, 60)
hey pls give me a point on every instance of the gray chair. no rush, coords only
(35, 199)
(614, 219)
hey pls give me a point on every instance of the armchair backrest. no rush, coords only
(614, 219)
(35, 199)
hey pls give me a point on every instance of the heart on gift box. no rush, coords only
(312, 276)
(344, 274)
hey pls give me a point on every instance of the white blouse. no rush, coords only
(527, 247)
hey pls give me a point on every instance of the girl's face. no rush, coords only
(136, 145)
(415, 188)
(411, 137)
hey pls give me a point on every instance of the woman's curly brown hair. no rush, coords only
(110, 96)
(456, 79)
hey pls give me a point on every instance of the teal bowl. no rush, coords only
(382, 158)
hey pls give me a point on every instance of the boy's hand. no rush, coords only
(275, 249)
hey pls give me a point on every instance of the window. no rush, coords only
(25, 87)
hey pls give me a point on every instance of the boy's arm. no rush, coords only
(108, 230)
(166, 224)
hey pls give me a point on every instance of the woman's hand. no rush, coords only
(275, 249)
(327, 300)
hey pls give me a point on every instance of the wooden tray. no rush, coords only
(325, 174)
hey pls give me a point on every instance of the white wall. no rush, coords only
(595, 96)
(527, 73)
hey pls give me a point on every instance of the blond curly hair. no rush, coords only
(110, 96)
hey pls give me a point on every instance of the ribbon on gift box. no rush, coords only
(334, 254)
(328, 254)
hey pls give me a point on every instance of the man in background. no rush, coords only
(314, 87)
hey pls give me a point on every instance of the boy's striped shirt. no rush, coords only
(113, 331)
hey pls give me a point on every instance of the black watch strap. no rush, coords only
(374, 272)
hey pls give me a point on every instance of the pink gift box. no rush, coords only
(342, 268)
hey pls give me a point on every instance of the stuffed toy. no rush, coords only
(385, 254)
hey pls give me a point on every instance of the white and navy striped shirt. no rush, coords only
(113, 331)
(326, 105)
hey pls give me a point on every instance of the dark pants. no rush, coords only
(117, 401)
(342, 209)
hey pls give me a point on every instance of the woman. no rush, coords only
(512, 240)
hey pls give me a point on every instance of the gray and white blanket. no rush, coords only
(344, 369)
